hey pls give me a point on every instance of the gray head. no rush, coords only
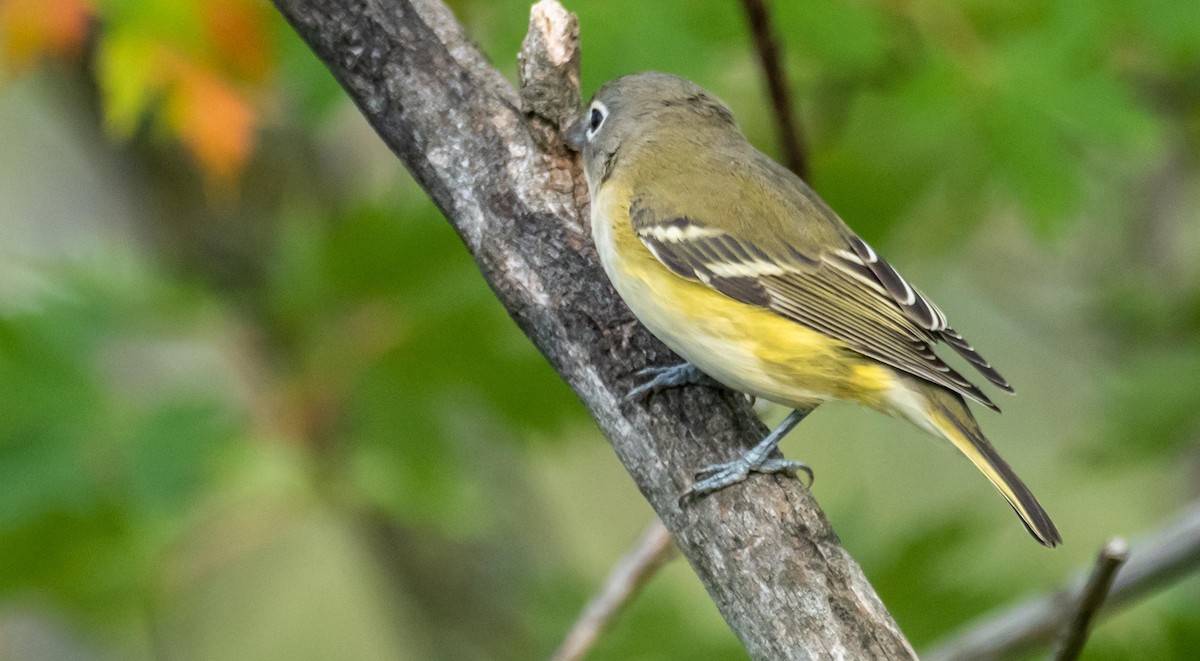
(637, 109)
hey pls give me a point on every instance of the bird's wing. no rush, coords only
(845, 291)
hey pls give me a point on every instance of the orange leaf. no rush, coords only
(238, 29)
(30, 29)
(213, 121)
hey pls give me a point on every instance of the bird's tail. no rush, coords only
(948, 415)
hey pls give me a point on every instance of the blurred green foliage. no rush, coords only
(291, 421)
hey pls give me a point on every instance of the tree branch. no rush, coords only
(1095, 591)
(584, 632)
(625, 581)
(1157, 562)
(791, 140)
(506, 183)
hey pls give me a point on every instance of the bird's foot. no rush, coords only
(662, 378)
(756, 460)
(718, 476)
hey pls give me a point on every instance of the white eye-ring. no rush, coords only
(596, 118)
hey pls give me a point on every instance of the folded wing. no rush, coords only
(845, 291)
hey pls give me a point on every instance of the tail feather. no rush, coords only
(949, 415)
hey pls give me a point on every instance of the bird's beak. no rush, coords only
(576, 134)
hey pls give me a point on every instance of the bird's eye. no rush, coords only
(596, 119)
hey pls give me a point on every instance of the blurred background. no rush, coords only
(256, 402)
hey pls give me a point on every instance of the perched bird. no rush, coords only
(736, 264)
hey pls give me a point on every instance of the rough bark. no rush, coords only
(498, 171)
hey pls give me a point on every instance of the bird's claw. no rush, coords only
(662, 378)
(718, 476)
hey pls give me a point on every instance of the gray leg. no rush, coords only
(661, 378)
(756, 460)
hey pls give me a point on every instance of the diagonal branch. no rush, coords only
(1095, 591)
(791, 141)
(626, 579)
(1156, 562)
(495, 167)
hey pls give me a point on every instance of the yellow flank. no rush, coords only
(746, 347)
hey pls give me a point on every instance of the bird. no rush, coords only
(741, 269)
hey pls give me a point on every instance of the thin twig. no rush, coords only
(767, 45)
(1158, 561)
(624, 582)
(1108, 561)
